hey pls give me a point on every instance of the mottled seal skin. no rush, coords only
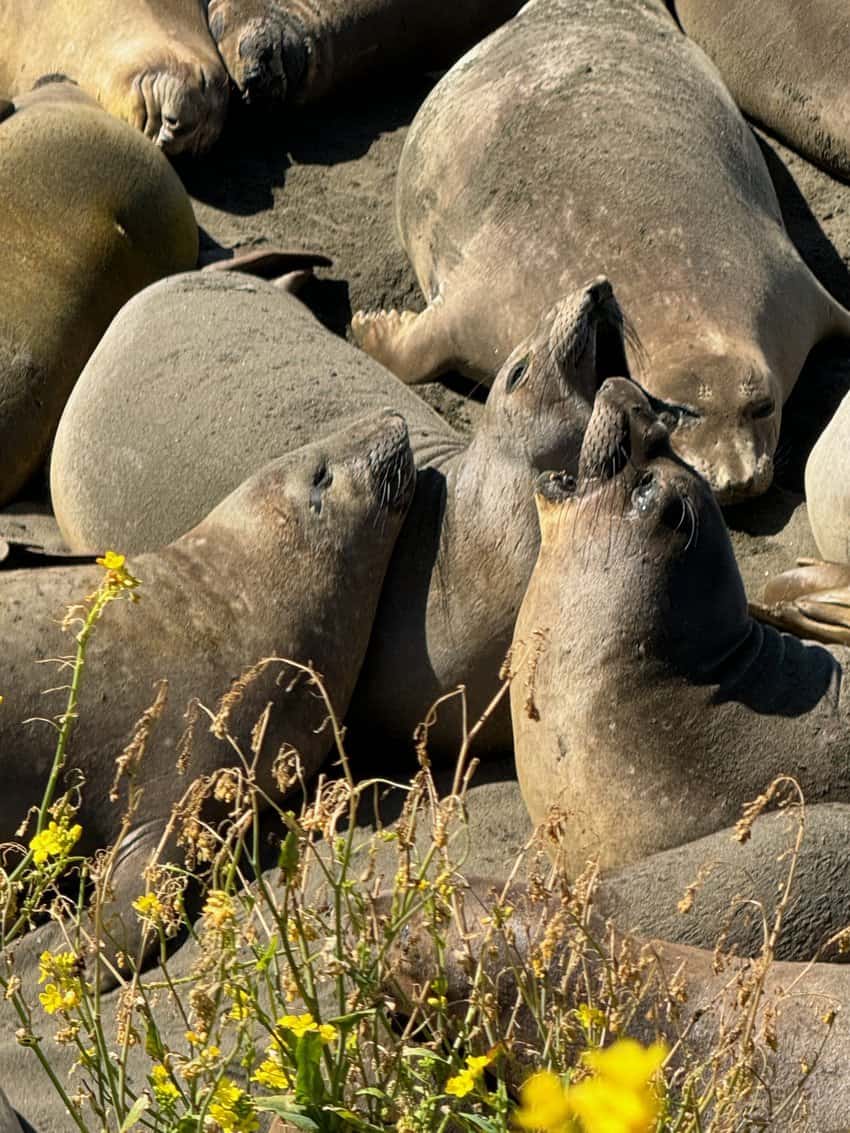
(463, 561)
(302, 50)
(652, 706)
(523, 174)
(289, 565)
(153, 64)
(785, 64)
(827, 481)
(91, 214)
(812, 601)
(798, 1000)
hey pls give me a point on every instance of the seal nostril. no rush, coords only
(600, 290)
(170, 121)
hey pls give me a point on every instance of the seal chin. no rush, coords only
(181, 110)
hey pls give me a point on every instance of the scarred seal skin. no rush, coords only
(302, 50)
(289, 565)
(785, 64)
(91, 214)
(809, 1004)
(466, 552)
(523, 174)
(652, 707)
(828, 487)
(154, 64)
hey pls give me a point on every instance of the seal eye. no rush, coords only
(518, 374)
(645, 493)
(762, 409)
(322, 480)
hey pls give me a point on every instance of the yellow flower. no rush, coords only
(193, 1038)
(299, 1025)
(590, 1017)
(61, 966)
(241, 1008)
(55, 999)
(270, 1073)
(165, 1092)
(117, 575)
(148, 906)
(621, 1096)
(544, 1104)
(56, 841)
(232, 1109)
(219, 909)
(464, 1082)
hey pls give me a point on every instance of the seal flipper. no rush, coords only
(415, 347)
(267, 263)
(822, 616)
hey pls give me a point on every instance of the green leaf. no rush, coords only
(135, 1115)
(153, 1043)
(287, 860)
(353, 1121)
(309, 1084)
(281, 1105)
(480, 1122)
(268, 955)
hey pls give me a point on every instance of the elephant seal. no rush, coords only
(827, 481)
(785, 65)
(302, 50)
(468, 546)
(675, 993)
(152, 64)
(522, 175)
(811, 601)
(653, 707)
(91, 214)
(289, 565)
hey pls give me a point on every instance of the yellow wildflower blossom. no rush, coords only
(621, 1096)
(219, 909)
(195, 1039)
(118, 576)
(149, 907)
(55, 999)
(165, 1092)
(62, 966)
(272, 1074)
(543, 1104)
(299, 1025)
(55, 841)
(241, 1008)
(464, 1082)
(590, 1017)
(232, 1109)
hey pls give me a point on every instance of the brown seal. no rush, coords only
(521, 176)
(653, 707)
(785, 64)
(239, 372)
(301, 50)
(828, 487)
(153, 64)
(92, 213)
(682, 995)
(289, 565)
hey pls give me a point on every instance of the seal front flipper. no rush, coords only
(267, 263)
(415, 347)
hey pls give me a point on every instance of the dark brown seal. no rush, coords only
(289, 565)
(92, 213)
(651, 707)
(152, 64)
(565, 145)
(301, 50)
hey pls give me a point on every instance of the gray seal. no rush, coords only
(289, 565)
(567, 144)
(238, 372)
(785, 64)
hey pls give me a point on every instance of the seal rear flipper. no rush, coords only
(823, 617)
(415, 347)
(267, 263)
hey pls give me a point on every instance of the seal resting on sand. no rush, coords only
(91, 214)
(289, 565)
(651, 707)
(567, 144)
(785, 64)
(828, 487)
(468, 546)
(301, 50)
(153, 64)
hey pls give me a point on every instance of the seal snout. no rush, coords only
(391, 465)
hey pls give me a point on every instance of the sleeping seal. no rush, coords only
(568, 144)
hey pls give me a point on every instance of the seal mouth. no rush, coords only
(392, 468)
(590, 335)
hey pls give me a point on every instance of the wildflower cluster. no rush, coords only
(55, 841)
(65, 990)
